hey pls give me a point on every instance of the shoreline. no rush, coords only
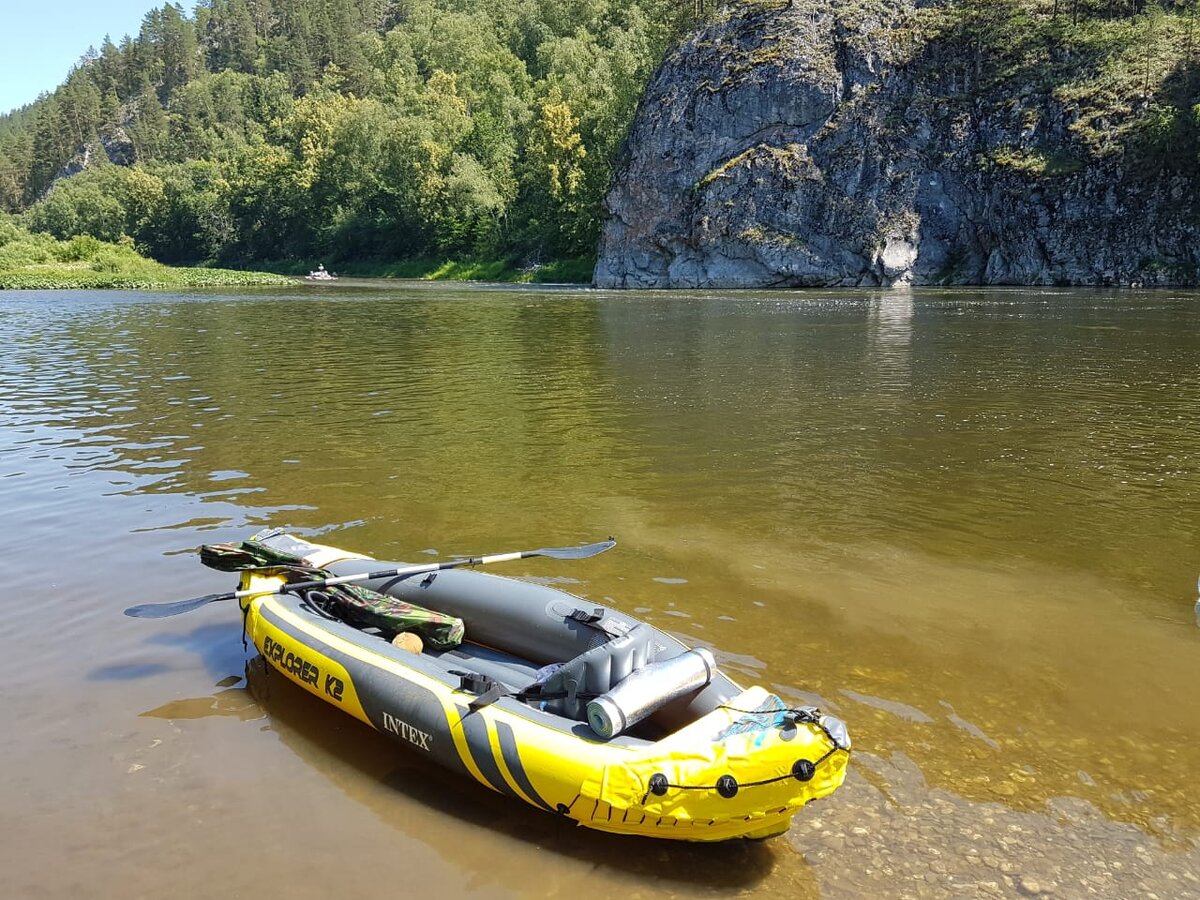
(503, 270)
(67, 277)
(150, 275)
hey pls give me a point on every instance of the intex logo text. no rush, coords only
(406, 731)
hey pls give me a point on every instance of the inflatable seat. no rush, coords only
(599, 670)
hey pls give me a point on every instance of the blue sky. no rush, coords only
(41, 39)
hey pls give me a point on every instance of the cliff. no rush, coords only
(877, 142)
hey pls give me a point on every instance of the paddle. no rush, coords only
(162, 610)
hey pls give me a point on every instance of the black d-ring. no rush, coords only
(804, 770)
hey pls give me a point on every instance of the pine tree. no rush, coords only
(177, 48)
(79, 102)
(150, 127)
(52, 147)
(106, 71)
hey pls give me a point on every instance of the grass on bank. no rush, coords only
(562, 271)
(41, 262)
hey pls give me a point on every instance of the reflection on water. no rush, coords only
(233, 702)
(891, 331)
(964, 521)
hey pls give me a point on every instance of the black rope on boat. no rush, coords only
(727, 786)
(807, 715)
(245, 615)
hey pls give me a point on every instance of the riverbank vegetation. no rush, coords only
(380, 135)
(39, 261)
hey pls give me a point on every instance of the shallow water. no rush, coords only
(964, 521)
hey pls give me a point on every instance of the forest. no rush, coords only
(269, 131)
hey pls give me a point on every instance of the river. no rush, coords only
(967, 522)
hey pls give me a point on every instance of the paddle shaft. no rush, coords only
(401, 572)
(162, 610)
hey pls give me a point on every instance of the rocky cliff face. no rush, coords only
(802, 144)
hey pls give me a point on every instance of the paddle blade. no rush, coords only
(162, 610)
(577, 552)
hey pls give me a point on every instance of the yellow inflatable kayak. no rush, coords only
(579, 710)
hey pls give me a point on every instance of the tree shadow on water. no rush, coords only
(466, 823)
(127, 671)
(218, 646)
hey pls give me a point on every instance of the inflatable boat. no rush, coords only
(577, 709)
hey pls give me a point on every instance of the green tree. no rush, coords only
(78, 207)
(230, 38)
(104, 201)
(149, 127)
(79, 103)
(106, 70)
(52, 147)
(553, 178)
(193, 221)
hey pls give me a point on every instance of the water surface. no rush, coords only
(964, 521)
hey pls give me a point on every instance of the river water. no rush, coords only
(965, 521)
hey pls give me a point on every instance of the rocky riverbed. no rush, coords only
(891, 835)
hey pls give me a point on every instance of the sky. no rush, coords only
(41, 39)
